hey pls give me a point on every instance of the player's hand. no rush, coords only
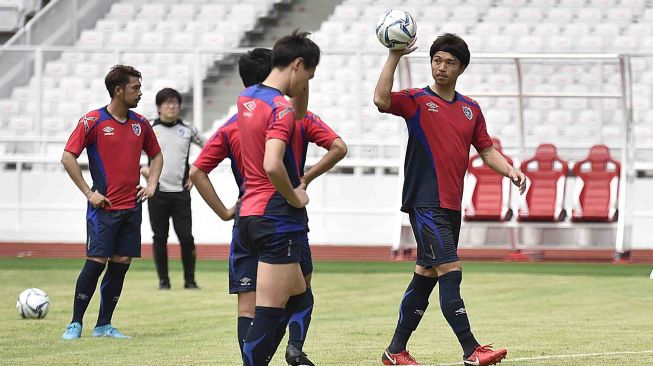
(188, 185)
(301, 198)
(404, 51)
(518, 179)
(303, 184)
(144, 192)
(97, 200)
(229, 214)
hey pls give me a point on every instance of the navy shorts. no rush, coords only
(436, 231)
(113, 232)
(243, 265)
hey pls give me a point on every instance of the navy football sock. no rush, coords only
(411, 310)
(110, 291)
(300, 319)
(85, 287)
(258, 346)
(243, 326)
(453, 309)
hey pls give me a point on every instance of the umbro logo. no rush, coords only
(86, 120)
(461, 311)
(245, 281)
(432, 107)
(419, 312)
(250, 105)
(108, 131)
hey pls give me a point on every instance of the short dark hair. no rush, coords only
(255, 66)
(119, 76)
(166, 94)
(453, 44)
(293, 46)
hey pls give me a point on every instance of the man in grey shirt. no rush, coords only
(172, 198)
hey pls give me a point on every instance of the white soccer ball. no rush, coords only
(396, 29)
(33, 303)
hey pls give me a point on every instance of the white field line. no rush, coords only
(550, 357)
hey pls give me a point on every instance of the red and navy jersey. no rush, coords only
(440, 134)
(312, 129)
(264, 114)
(224, 143)
(114, 153)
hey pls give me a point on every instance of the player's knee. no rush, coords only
(121, 259)
(101, 260)
(445, 268)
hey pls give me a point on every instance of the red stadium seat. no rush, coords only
(546, 175)
(490, 199)
(595, 196)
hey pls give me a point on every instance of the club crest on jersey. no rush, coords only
(136, 127)
(181, 132)
(108, 131)
(432, 107)
(250, 105)
(468, 112)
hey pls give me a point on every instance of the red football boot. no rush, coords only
(485, 355)
(401, 358)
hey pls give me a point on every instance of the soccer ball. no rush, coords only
(33, 303)
(396, 29)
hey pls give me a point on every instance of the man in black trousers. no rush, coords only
(173, 193)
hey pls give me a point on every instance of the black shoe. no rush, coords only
(164, 285)
(192, 285)
(295, 357)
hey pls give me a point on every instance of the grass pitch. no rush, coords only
(545, 314)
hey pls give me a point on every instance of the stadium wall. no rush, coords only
(360, 210)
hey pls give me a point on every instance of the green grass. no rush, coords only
(531, 309)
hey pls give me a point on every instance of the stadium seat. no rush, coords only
(546, 175)
(559, 15)
(167, 27)
(182, 12)
(547, 29)
(122, 11)
(153, 11)
(596, 191)
(490, 200)
(10, 19)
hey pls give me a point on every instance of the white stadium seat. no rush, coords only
(182, 11)
(153, 11)
(122, 11)
(138, 26)
(91, 38)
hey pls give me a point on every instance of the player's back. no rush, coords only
(263, 114)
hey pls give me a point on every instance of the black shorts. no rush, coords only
(261, 237)
(436, 232)
(115, 232)
(243, 265)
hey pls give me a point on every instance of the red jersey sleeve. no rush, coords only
(480, 139)
(402, 104)
(150, 143)
(84, 133)
(318, 132)
(214, 152)
(283, 122)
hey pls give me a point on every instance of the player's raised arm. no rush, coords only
(204, 186)
(386, 79)
(337, 151)
(276, 171)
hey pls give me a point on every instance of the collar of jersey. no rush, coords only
(159, 122)
(106, 110)
(430, 91)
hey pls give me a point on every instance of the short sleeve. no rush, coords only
(214, 152)
(402, 104)
(283, 123)
(480, 139)
(318, 132)
(83, 134)
(150, 143)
